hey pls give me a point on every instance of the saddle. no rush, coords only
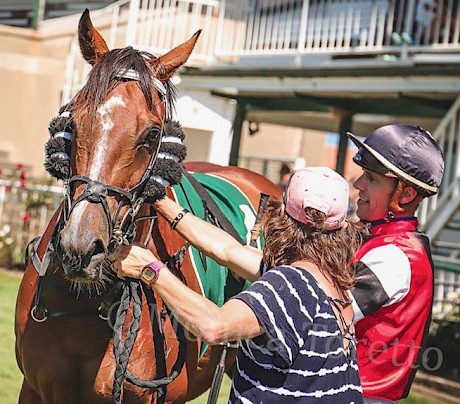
(221, 203)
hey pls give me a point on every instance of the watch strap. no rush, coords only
(151, 272)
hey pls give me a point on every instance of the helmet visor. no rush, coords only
(369, 162)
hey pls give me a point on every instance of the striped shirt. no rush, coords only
(300, 358)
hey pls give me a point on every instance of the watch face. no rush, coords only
(148, 273)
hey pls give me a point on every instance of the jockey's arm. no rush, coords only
(212, 241)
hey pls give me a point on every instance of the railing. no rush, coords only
(338, 26)
(434, 212)
(24, 214)
(241, 28)
(155, 26)
(446, 291)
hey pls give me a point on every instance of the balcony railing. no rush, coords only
(233, 29)
(337, 26)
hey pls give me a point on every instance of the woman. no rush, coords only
(295, 321)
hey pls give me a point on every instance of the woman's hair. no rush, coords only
(287, 240)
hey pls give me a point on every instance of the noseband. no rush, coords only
(164, 169)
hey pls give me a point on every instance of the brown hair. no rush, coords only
(287, 240)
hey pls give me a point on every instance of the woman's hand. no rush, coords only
(131, 260)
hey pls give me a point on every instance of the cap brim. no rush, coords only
(382, 160)
(355, 140)
(390, 166)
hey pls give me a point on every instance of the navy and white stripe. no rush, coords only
(300, 357)
(383, 278)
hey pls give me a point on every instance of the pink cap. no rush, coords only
(322, 189)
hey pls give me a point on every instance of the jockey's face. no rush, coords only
(375, 192)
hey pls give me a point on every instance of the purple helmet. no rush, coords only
(404, 151)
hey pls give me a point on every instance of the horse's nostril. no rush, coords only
(98, 247)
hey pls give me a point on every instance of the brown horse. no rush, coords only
(67, 353)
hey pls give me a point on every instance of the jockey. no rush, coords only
(402, 164)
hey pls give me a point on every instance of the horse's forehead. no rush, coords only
(107, 107)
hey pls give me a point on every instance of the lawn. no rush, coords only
(11, 377)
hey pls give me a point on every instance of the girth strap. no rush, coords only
(215, 213)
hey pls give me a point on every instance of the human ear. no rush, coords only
(408, 195)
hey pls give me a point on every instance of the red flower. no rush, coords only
(25, 217)
(8, 188)
(19, 165)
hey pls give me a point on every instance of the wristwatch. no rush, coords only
(151, 272)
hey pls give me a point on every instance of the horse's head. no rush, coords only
(118, 119)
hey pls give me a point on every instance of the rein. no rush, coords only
(133, 293)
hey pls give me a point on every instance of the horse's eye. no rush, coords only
(150, 138)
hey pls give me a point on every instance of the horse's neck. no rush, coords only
(165, 243)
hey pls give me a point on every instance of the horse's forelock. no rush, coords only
(104, 77)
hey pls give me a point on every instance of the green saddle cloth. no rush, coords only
(217, 282)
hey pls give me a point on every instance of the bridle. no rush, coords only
(119, 231)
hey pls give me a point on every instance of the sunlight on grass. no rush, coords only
(415, 400)
(223, 393)
(10, 375)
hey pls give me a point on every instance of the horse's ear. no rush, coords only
(176, 57)
(92, 45)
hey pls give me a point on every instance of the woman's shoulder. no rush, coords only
(297, 278)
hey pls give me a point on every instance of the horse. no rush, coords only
(82, 335)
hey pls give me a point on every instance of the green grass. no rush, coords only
(11, 377)
(414, 400)
(223, 393)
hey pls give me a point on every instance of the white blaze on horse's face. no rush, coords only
(105, 112)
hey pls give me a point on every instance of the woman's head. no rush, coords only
(310, 224)
(319, 188)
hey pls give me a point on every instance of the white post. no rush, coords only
(132, 22)
(219, 35)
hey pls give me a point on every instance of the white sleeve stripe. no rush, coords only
(384, 270)
(282, 306)
(271, 317)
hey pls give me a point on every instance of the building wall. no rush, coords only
(32, 76)
(32, 67)
(294, 146)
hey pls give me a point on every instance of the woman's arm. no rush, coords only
(213, 324)
(244, 261)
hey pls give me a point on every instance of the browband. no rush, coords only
(131, 74)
